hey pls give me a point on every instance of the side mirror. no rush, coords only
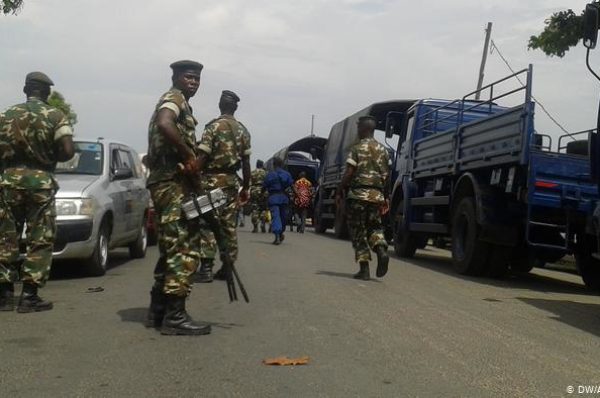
(393, 123)
(122, 173)
(590, 26)
(593, 156)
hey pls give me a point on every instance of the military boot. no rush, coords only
(178, 322)
(255, 228)
(158, 306)
(382, 261)
(7, 297)
(277, 240)
(204, 274)
(364, 271)
(263, 228)
(31, 302)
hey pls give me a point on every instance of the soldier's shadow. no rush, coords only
(343, 275)
(138, 315)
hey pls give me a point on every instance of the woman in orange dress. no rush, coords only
(303, 191)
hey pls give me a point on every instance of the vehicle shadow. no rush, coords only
(529, 281)
(583, 316)
(74, 269)
(138, 315)
(343, 275)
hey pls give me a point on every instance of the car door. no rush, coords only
(118, 194)
(137, 192)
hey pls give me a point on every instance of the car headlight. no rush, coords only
(75, 207)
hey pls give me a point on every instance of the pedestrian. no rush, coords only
(225, 148)
(33, 137)
(303, 192)
(367, 185)
(172, 142)
(276, 183)
(258, 200)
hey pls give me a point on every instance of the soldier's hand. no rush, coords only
(191, 166)
(244, 197)
(385, 207)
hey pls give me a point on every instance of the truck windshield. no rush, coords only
(87, 160)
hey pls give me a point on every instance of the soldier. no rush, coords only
(258, 199)
(33, 138)
(172, 141)
(223, 149)
(367, 172)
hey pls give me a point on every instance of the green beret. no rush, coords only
(229, 96)
(38, 77)
(186, 65)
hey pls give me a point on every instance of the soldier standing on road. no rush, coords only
(172, 141)
(33, 138)
(258, 199)
(367, 172)
(276, 183)
(225, 148)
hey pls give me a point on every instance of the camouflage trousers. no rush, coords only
(258, 215)
(178, 240)
(366, 228)
(226, 215)
(35, 210)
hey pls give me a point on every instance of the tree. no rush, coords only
(10, 6)
(563, 30)
(57, 100)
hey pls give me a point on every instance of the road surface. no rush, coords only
(421, 331)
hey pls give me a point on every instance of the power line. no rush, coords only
(494, 46)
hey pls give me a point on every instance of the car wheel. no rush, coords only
(137, 249)
(96, 265)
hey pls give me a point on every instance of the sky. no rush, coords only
(287, 60)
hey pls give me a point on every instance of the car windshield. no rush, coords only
(87, 160)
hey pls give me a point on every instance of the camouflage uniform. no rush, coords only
(28, 133)
(258, 198)
(366, 196)
(179, 240)
(225, 140)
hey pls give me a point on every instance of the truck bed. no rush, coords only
(495, 140)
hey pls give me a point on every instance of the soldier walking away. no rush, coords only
(172, 141)
(258, 200)
(33, 138)
(366, 181)
(276, 182)
(223, 149)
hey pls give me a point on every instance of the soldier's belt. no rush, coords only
(202, 204)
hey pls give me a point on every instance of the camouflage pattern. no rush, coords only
(258, 198)
(162, 157)
(28, 133)
(226, 141)
(178, 239)
(372, 169)
(366, 228)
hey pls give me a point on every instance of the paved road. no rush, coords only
(420, 332)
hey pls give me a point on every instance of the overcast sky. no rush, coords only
(285, 59)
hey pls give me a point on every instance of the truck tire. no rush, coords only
(498, 261)
(579, 147)
(588, 266)
(405, 245)
(96, 264)
(318, 224)
(469, 253)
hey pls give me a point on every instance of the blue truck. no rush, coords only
(480, 174)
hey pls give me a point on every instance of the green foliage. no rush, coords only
(10, 6)
(57, 100)
(563, 30)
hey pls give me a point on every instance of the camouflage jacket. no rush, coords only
(226, 141)
(256, 183)
(372, 169)
(162, 156)
(28, 133)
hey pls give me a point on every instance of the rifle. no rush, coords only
(203, 205)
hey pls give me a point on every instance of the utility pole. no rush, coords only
(488, 34)
(312, 126)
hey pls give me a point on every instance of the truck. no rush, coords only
(342, 136)
(481, 175)
(304, 154)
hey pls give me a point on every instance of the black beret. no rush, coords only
(366, 118)
(186, 65)
(260, 164)
(229, 96)
(38, 77)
